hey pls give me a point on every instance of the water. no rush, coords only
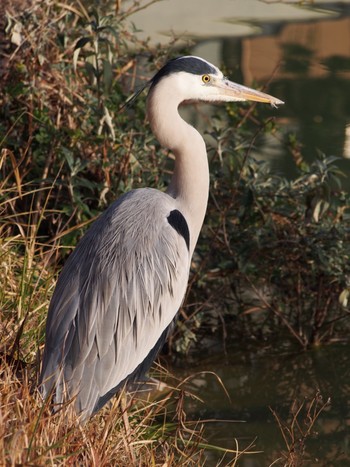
(258, 380)
(301, 50)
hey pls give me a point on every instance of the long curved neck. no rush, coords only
(190, 181)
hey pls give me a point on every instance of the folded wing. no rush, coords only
(116, 296)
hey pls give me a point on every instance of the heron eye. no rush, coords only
(206, 79)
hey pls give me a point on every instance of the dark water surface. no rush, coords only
(259, 381)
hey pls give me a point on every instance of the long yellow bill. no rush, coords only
(239, 92)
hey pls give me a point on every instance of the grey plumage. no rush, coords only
(130, 266)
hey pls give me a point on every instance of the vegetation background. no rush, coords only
(271, 266)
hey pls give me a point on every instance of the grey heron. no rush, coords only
(122, 286)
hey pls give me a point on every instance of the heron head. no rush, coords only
(193, 78)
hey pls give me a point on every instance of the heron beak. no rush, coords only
(242, 93)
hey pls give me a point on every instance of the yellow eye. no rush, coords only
(206, 79)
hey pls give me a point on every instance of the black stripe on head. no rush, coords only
(178, 222)
(188, 64)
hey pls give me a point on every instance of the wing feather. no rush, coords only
(118, 292)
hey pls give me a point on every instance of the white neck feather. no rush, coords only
(190, 181)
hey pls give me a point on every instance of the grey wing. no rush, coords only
(115, 297)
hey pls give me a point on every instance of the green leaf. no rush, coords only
(107, 75)
(91, 71)
(78, 46)
(82, 42)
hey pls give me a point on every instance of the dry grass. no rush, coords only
(298, 428)
(31, 435)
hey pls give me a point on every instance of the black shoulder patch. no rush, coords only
(188, 64)
(178, 222)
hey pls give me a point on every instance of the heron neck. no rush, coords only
(190, 181)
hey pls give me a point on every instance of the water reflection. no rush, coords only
(321, 109)
(258, 379)
(308, 66)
